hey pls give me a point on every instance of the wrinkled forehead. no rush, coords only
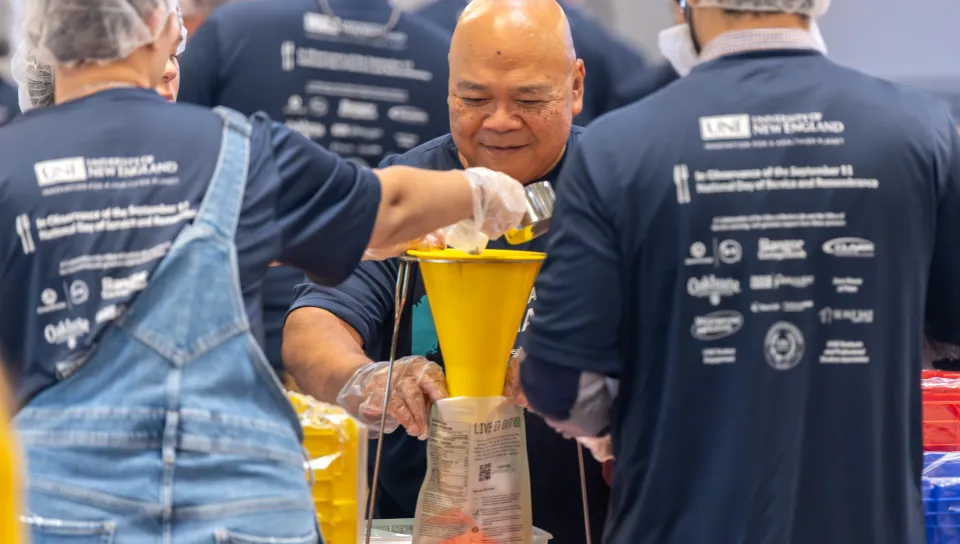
(508, 66)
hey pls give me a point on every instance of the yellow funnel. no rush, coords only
(478, 303)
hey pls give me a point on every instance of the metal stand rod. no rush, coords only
(583, 493)
(399, 300)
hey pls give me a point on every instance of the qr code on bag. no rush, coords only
(485, 472)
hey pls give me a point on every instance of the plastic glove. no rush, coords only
(511, 385)
(416, 384)
(601, 448)
(435, 240)
(499, 203)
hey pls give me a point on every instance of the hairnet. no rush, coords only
(71, 32)
(35, 78)
(813, 8)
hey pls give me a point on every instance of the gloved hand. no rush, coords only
(416, 384)
(435, 240)
(600, 447)
(499, 203)
(511, 385)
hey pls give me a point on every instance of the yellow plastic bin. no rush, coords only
(11, 500)
(337, 446)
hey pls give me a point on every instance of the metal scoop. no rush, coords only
(536, 220)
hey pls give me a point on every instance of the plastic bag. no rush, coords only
(477, 487)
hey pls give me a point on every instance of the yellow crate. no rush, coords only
(337, 446)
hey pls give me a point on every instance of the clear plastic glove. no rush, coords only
(416, 384)
(601, 448)
(511, 385)
(499, 203)
(435, 240)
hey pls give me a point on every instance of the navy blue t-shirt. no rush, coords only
(756, 273)
(366, 302)
(616, 74)
(94, 191)
(9, 106)
(360, 94)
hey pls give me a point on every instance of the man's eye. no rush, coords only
(473, 101)
(530, 102)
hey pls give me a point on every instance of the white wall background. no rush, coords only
(915, 41)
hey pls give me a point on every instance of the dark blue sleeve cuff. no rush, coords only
(551, 390)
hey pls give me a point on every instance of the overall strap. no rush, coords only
(224, 199)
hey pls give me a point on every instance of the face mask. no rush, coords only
(677, 46)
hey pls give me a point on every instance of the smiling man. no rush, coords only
(515, 86)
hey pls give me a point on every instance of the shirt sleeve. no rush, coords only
(577, 311)
(364, 301)
(326, 207)
(943, 292)
(200, 67)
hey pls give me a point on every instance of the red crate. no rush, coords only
(941, 410)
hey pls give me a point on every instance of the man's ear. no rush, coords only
(579, 78)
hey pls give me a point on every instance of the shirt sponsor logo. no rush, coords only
(370, 150)
(66, 332)
(318, 106)
(725, 127)
(58, 171)
(848, 247)
(25, 233)
(716, 325)
(342, 148)
(113, 288)
(49, 302)
(844, 352)
(109, 313)
(712, 288)
(831, 315)
(295, 106)
(408, 114)
(363, 111)
(681, 179)
(783, 346)
(780, 250)
(786, 306)
(309, 129)
(848, 285)
(344, 130)
(79, 292)
(775, 281)
(406, 140)
(730, 251)
(719, 356)
(698, 255)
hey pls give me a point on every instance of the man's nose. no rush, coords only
(503, 119)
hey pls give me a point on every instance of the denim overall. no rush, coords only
(176, 430)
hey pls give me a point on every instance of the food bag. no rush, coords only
(477, 487)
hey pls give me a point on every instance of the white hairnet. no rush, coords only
(35, 78)
(71, 32)
(813, 8)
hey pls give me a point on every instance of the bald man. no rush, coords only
(515, 86)
(617, 74)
